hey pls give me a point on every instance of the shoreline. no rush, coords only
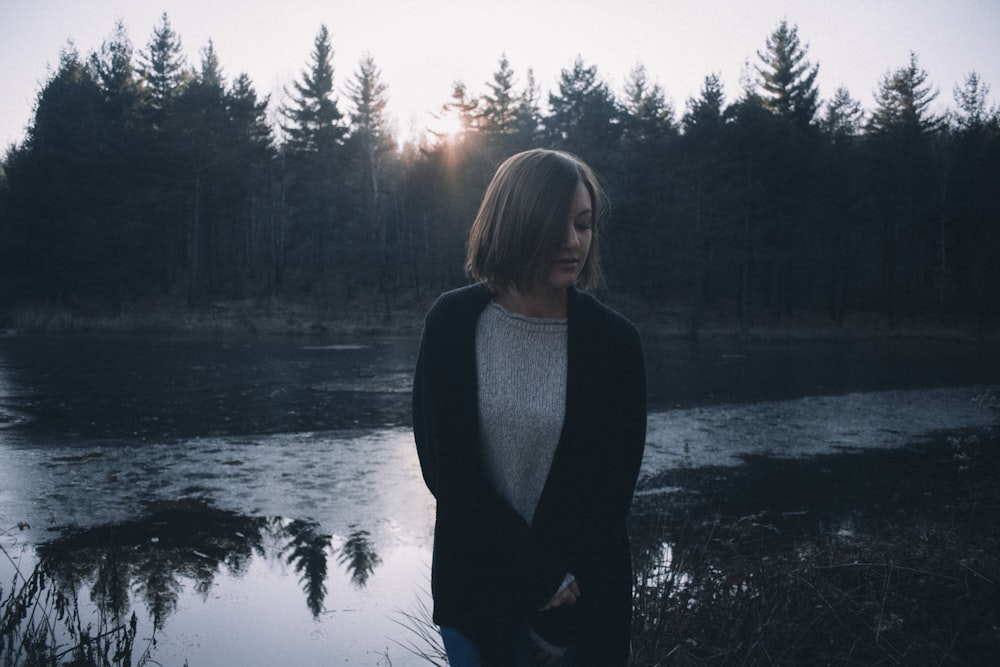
(365, 318)
(867, 558)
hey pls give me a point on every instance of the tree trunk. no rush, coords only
(194, 245)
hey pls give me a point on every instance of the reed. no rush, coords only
(42, 625)
(422, 639)
(904, 571)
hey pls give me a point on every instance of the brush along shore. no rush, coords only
(372, 316)
(887, 557)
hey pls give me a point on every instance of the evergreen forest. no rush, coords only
(145, 179)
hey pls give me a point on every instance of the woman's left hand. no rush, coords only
(543, 657)
(568, 595)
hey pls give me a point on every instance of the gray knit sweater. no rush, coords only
(521, 366)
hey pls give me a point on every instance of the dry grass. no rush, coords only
(890, 559)
(41, 626)
(269, 317)
(365, 315)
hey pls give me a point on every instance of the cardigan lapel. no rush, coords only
(560, 474)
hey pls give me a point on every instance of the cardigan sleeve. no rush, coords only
(592, 489)
(594, 479)
(624, 452)
(422, 435)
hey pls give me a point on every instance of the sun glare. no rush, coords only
(443, 125)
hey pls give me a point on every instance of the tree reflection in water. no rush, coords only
(358, 555)
(150, 555)
(306, 550)
(153, 555)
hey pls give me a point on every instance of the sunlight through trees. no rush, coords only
(145, 179)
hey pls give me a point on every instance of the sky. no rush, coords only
(423, 46)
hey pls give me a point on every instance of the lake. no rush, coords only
(258, 500)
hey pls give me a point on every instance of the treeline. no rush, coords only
(142, 177)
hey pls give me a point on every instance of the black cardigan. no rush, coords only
(491, 571)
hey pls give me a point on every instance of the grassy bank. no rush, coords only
(369, 315)
(225, 317)
(881, 558)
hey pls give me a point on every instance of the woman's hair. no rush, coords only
(522, 220)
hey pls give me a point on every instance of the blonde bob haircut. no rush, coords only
(522, 220)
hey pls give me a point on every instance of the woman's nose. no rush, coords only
(572, 238)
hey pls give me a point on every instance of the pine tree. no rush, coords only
(369, 97)
(770, 195)
(508, 120)
(707, 185)
(210, 74)
(648, 115)
(54, 240)
(706, 112)
(314, 138)
(974, 190)
(584, 110)
(314, 123)
(370, 135)
(464, 106)
(645, 198)
(132, 172)
(780, 148)
(499, 105)
(787, 78)
(527, 113)
(166, 156)
(974, 109)
(844, 117)
(585, 119)
(200, 137)
(902, 102)
(162, 67)
(840, 209)
(905, 182)
(371, 144)
(253, 187)
(114, 70)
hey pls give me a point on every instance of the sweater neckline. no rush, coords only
(547, 322)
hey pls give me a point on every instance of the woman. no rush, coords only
(529, 415)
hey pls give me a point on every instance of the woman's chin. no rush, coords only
(563, 279)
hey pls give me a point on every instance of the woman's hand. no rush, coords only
(568, 595)
(543, 657)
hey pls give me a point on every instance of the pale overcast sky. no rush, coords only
(422, 46)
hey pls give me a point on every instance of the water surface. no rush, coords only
(261, 497)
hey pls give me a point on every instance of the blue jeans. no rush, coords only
(462, 652)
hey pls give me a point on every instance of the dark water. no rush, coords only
(142, 388)
(259, 501)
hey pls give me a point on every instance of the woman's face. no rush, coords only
(575, 247)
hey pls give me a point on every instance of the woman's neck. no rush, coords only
(543, 304)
